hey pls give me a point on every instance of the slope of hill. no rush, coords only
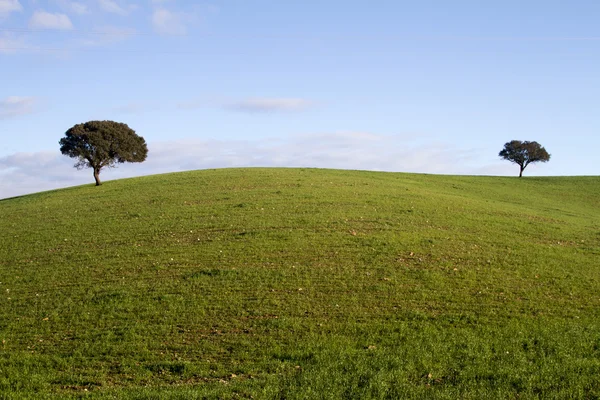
(302, 283)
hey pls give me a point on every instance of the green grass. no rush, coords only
(302, 284)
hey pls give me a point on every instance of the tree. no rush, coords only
(524, 153)
(99, 144)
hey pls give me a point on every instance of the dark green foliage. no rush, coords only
(524, 153)
(100, 144)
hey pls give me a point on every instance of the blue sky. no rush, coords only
(428, 86)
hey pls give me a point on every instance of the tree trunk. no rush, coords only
(97, 176)
(521, 171)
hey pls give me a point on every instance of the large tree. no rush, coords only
(100, 144)
(524, 153)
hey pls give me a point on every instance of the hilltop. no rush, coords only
(302, 283)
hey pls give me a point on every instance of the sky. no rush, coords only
(407, 86)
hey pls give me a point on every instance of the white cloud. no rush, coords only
(9, 6)
(14, 106)
(45, 20)
(79, 8)
(73, 7)
(168, 23)
(10, 43)
(110, 35)
(23, 173)
(262, 104)
(250, 105)
(26, 173)
(112, 7)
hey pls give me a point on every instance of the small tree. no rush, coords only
(524, 153)
(99, 144)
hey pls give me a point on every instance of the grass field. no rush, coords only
(302, 284)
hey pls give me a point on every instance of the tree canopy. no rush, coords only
(524, 153)
(100, 144)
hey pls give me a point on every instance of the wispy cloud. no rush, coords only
(73, 7)
(9, 6)
(112, 6)
(250, 105)
(10, 43)
(25, 173)
(107, 35)
(18, 173)
(265, 104)
(168, 22)
(15, 106)
(46, 20)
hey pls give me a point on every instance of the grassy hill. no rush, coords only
(302, 283)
